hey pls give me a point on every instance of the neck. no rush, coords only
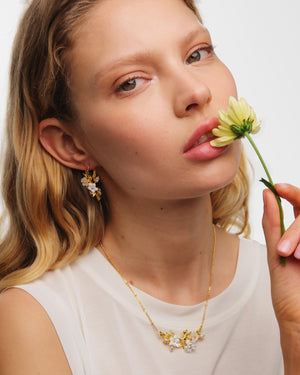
(163, 249)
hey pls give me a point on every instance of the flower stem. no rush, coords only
(260, 157)
(247, 135)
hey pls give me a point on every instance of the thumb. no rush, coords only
(271, 226)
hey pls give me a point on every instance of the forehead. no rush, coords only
(113, 23)
(114, 29)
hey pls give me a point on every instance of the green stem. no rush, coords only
(260, 157)
(247, 135)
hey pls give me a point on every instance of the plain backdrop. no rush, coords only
(259, 41)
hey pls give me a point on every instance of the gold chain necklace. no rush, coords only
(188, 339)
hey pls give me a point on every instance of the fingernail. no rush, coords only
(282, 185)
(284, 246)
(297, 252)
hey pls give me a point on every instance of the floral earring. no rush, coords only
(89, 181)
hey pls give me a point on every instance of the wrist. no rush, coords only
(290, 344)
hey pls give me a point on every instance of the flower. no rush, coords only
(190, 345)
(238, 120)
(84, 182)
(174, 342)
(92, 188)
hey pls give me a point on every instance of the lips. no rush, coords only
(198, 147)
(207, 137)
(202, 134)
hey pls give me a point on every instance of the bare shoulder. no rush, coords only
(28, 341)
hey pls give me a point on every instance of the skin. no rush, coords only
(28, 341)
(285, 281)
(160, 219)
(135, 139)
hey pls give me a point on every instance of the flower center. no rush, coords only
(240, 130)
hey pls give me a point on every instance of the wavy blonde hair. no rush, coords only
(49, 219)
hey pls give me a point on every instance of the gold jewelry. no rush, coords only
(188, 339)
(89, 181)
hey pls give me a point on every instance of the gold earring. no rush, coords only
(89, 181)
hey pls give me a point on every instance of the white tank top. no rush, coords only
(103, 330)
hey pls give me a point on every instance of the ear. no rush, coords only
(63, 146)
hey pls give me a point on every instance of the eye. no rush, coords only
(130, 84)
(199, 54)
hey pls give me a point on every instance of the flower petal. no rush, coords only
(235, 111)
(222, 141)
(245, 109)
(256, 128)
(220, 132)
(234, 116)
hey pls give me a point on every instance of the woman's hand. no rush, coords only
(285, 280)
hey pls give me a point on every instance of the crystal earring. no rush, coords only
(89, 181)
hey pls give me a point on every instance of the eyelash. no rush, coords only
(132, 78)
(209, 49)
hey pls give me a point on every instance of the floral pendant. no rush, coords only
(187, 341)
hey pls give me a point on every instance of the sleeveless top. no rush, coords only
(103, 330)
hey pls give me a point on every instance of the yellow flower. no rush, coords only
(237, 122)
(239, 119)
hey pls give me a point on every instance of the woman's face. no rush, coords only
(147, 85)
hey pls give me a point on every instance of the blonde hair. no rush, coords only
(50, 219)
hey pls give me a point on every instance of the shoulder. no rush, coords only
(28, 341)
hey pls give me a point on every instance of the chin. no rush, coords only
(224, 181)
(225, 169)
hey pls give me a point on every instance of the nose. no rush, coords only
(192, 93)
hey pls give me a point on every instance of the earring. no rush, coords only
(89, 181)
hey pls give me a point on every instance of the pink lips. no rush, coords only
(203, 150)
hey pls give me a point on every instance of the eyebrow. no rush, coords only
(189, 37)
(135, 58)
(144, 56)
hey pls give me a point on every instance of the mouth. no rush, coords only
(198, 147)
(207, 137)
(202, 134)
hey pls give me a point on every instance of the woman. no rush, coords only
(131, 276)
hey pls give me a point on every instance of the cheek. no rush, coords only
(224, 85)
(121, 143)
(119, 132)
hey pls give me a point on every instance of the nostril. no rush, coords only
(190, 106)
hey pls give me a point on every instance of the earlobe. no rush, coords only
(63, 146)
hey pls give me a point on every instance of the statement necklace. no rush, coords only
(188, 339)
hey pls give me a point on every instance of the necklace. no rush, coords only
(188, 339)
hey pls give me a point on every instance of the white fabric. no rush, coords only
(104, 331)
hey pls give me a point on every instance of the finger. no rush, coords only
(289, 242)
(290, 193)
(271, 225)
